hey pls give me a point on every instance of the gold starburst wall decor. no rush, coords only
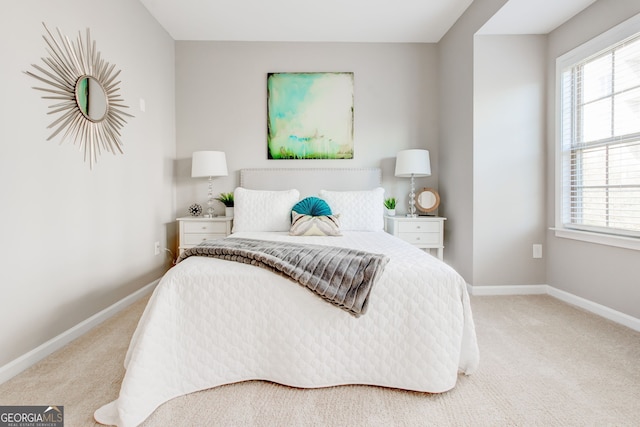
(84, 93)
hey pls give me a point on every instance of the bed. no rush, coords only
(214, 321)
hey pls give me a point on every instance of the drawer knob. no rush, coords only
(418, 226)
(204, 227)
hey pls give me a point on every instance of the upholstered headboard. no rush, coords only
(310, 181)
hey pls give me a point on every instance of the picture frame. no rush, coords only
(310, 115)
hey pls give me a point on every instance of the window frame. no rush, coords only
(604, 41)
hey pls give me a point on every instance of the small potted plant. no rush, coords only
(227, 201)
(390, 205)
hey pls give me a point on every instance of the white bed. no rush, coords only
(212, 322)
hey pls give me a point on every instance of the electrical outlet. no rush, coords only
(537, 251)
(156, 249)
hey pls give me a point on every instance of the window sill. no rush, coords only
(600, 239)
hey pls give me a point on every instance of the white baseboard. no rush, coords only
(601, 310)
(29, 359)
(593, 307)
(25, 361)
(508, 290)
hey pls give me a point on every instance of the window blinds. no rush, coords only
(600, 108)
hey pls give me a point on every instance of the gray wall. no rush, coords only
(603, 274)
(479, 200)
(456, 64)
(509, 159)
(221, 105)
(76, 241)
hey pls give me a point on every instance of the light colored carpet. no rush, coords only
(543, 363)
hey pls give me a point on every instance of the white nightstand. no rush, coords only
(426, 232)
(193, 230)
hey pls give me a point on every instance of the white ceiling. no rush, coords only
(533, 16)
(424, 21)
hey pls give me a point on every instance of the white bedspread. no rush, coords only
(212, 322)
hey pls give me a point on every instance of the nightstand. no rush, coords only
(193, 230)
(425, 232)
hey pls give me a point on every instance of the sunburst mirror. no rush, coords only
(84, 93)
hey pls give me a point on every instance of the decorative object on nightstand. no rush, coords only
(411, 164)
(228, 202)
(195, 210)
(390, 206)
(425, 232)
(427, 200)
(192, 231)
(209, 164)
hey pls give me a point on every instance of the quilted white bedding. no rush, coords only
(212, 322)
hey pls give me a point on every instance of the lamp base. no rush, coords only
(210, 201)
(412, 200)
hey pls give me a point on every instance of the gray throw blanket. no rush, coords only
(341, 276)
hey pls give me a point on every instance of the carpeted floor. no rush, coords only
(543, 363)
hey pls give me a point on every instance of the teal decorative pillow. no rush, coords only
(307, 225)
(313, 206)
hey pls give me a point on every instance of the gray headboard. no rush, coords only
(310, 181)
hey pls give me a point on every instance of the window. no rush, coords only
(599, 140)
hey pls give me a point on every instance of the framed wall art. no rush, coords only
(310, 115)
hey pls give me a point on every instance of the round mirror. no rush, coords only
(92, 111)
(427, 200)
(91, 98)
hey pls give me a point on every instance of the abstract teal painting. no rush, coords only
(310, 115)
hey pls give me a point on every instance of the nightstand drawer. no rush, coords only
(197, 238)
(193, 231)
(424, 232)
(418, 227)
(420, 238)
(205, 227)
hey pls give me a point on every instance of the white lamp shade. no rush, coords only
(413, 163)
(208, 163)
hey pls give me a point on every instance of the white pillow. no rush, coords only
(256, 210)
(358, 210)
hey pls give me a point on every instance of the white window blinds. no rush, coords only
(600, 141)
